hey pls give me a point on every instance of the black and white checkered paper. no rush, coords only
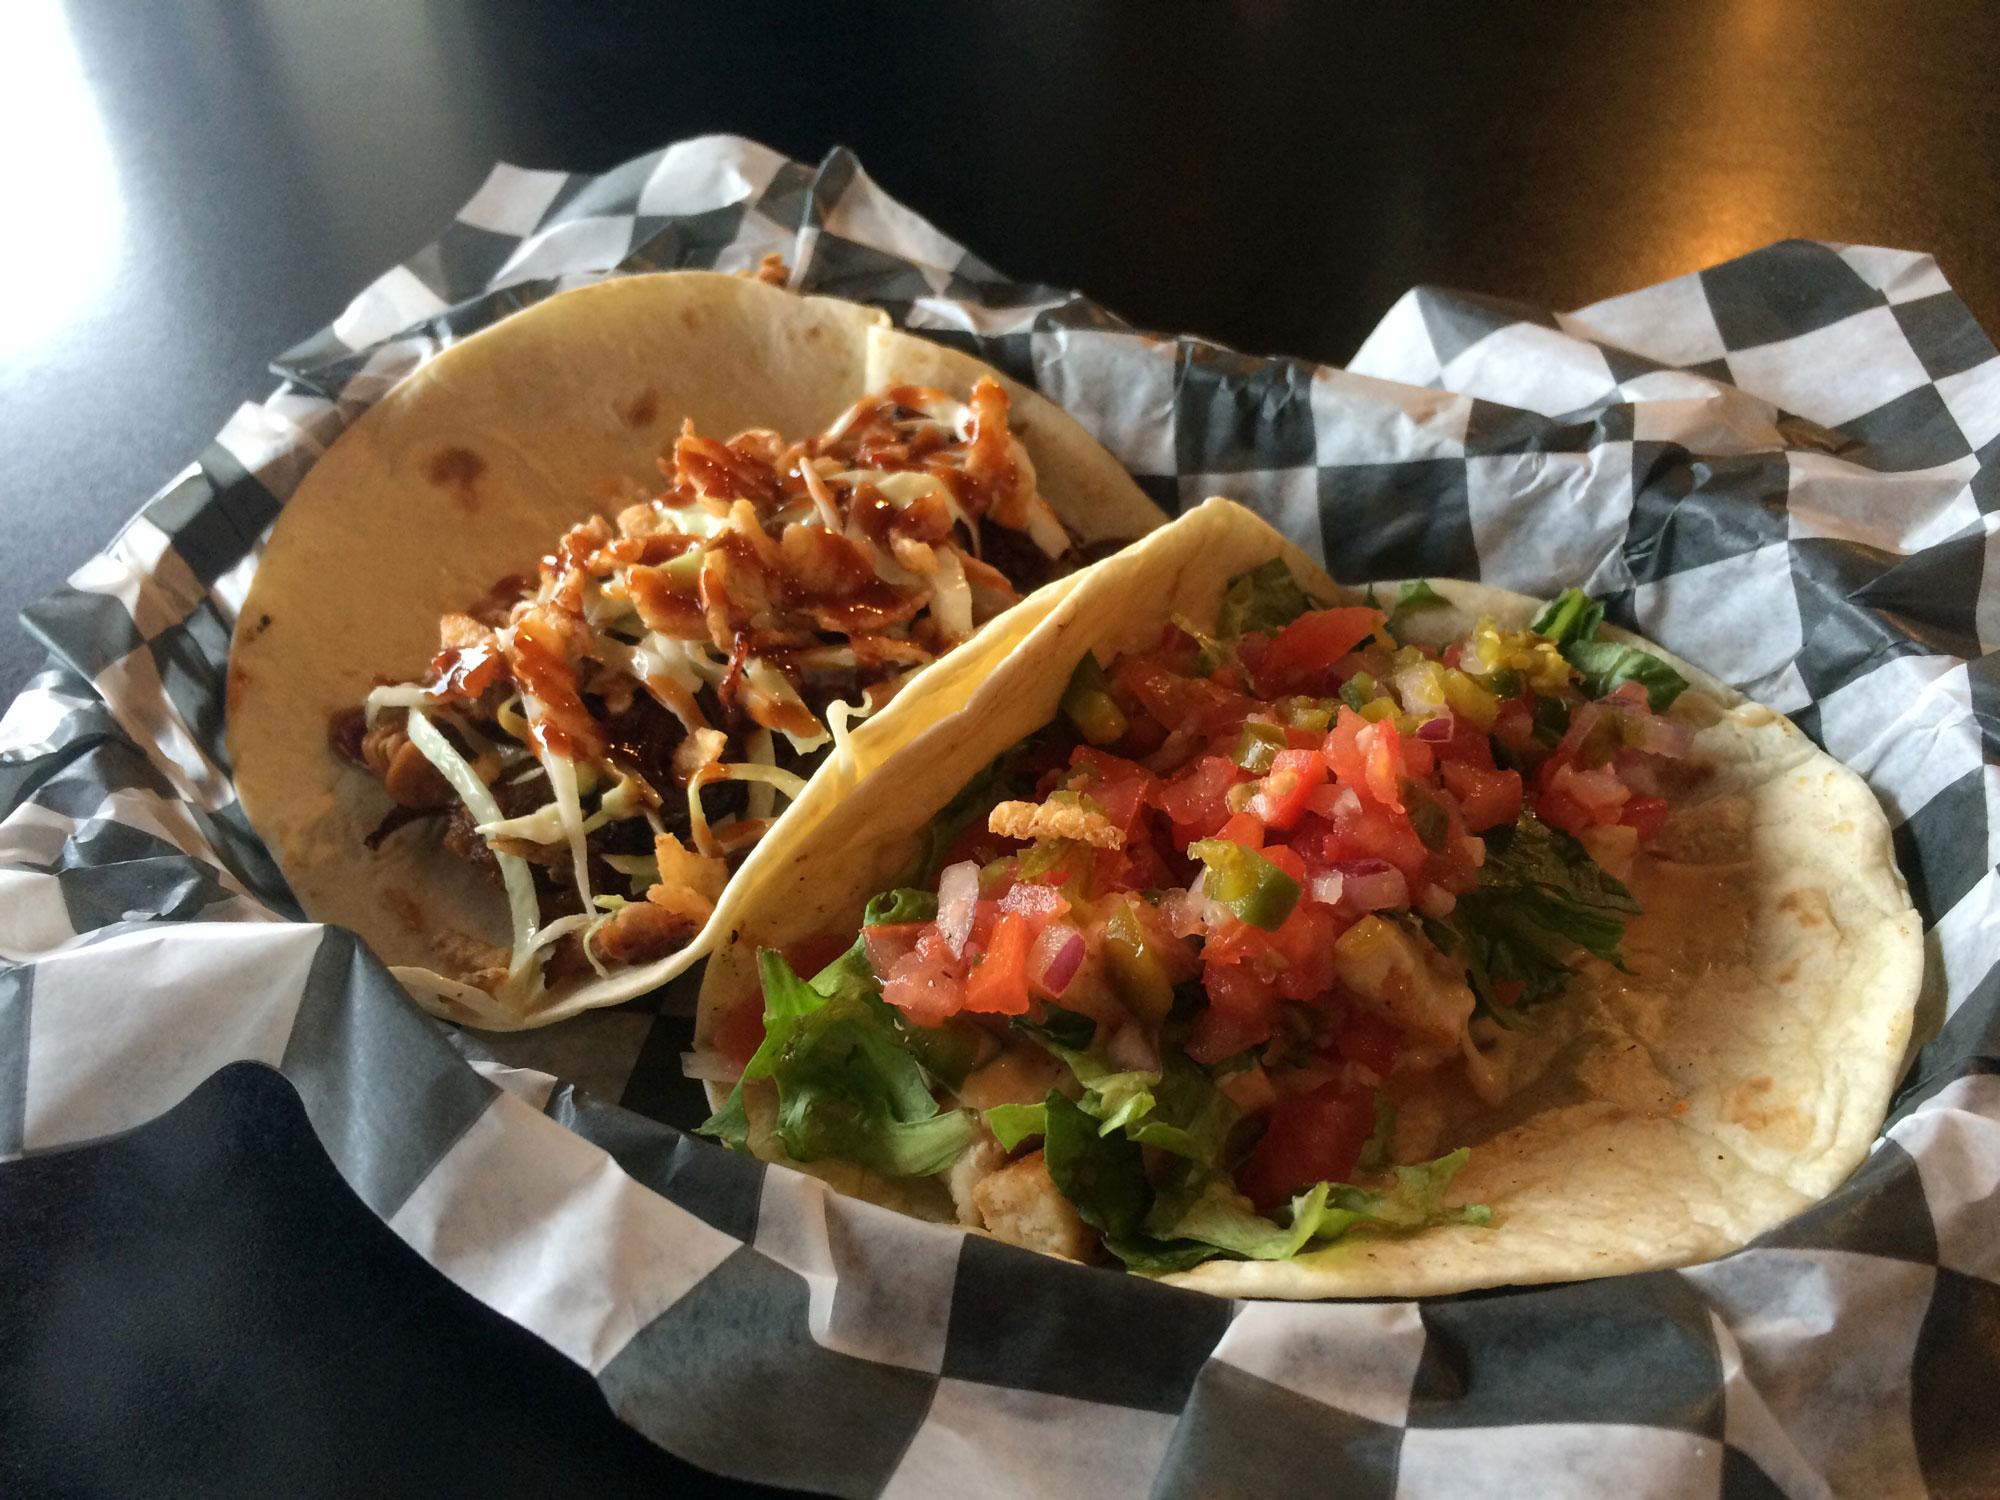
(1784, 468)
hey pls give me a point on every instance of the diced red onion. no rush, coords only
(958, 892)
(1437, 731)
(1133, 1049)
(1371, 884)
(1436, 902)
(1055, 958)
(711, 1066)
(1654, 735)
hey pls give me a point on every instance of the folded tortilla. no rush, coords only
(1733, 1076)
(469, 471)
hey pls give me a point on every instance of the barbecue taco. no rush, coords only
(1289, 940)
(549, 638)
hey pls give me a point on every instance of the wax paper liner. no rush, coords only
(1782, 468)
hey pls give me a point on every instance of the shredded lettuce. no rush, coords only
(1572, 620)
(1208, 1217)
(847, 1086)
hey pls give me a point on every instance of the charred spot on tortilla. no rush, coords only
(458, 469)
(237, 684)
(642, 410)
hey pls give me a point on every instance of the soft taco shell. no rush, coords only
(1734, 1076)
(469, 471)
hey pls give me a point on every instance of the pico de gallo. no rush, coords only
(606, 738)
(1167, 967)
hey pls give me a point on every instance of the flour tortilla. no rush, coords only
(468, 472)
(1734, 1076)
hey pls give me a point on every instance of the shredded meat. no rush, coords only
(642, 932)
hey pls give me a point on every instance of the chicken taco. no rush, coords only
(1285, 939)
(548, 640)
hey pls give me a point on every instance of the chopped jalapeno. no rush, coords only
(1258, 745)
(1245, 882)
(1087, 703)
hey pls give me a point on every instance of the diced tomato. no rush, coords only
(1118, 786)
(928, 982)
(979, 846)
(809, 955)
(1560, 810)
(1419, 759)
(887, 943)
(1303, 655)
(1311, 1138)
(740, 1032)
(1222, 1034)
(1304, 940)
(1181, 702)
(1241, 1006)
(1366, 756)
(1243, 828)
(1369, 1041)
(1646, 814)
(1469, 743)
(1509, 991)
(998, 983)
(1293, 777)
(1489, 799)
(1453, 654)
(1513, 727)
(1038, 904)
(1193, 800)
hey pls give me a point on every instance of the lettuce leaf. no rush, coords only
(1572, 620)
(1540, 898)
(1415, 595)
(848, 1085)
(1205, 1216)
(1104, 1176)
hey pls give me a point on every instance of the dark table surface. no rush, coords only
(193, 186)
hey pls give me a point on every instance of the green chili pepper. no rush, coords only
(1306, 713)
(1087, 703)
(1257, 746)
(1358, 691)
(1136, 972)
(1245, 882)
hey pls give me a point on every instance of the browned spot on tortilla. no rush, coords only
(254, 628)
(1790, 972)
(405, 906)
(814, 334)
(642, 410)
(1808, 908)
(1779, 1123)
(458, 470)
(238, 685)
(690, 319)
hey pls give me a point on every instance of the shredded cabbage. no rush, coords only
(951, 595)
(762, 797)
(514, 872)
(402, 695)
